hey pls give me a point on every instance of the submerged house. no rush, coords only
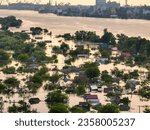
(114, 51)
(100, 60)
(38, 38)
(103, 45)
(32, 66)
(92, 99)
(48, 41)
(92, 46)
(108, 90)
(33, 41)
(124, 107)
(93, 87)
(84, 105)
(82, 55)
(70, 70)
(104, 60)
(133, 83)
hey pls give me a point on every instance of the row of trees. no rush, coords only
(89, 36)
(38, 30)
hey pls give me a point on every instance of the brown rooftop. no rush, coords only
(88, 96)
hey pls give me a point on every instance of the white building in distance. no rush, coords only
(100, 3)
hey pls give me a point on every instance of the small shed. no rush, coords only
(93, 87)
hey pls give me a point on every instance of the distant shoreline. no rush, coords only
(79, 16)
(62, 24)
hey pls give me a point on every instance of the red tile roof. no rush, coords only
(114, 49)
(126, 54)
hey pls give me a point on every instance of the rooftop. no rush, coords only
(88, 96)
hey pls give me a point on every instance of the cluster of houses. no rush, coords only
(86, 45)
(95, 46)
(92, 99)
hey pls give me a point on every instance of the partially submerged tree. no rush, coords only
(109, 108)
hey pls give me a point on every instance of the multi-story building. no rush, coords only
(100, 3)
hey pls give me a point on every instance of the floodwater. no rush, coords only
(60, 25)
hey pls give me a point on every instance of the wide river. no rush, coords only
(61, 24)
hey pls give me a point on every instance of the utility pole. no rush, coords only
(126, 2)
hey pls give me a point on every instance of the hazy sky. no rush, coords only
(91, 2)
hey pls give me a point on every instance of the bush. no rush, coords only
(80, 90)
(76, 109)
(9, 70)
(109, 108)
(58, 108)
(4, 58)
(56, 97)
(12, 82)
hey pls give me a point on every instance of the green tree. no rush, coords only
(86, 36)
(58, 108)
(106, 77)
(34, 83)
(36, 30)
(3, 87)
(4, 58)
(56, 97)
(22, 107)
(125, 100)
(147, 110)
(145, 92)
(10, 21)
(23, 57)
(109, 108)
(92, 72)
(105, 52)
(134, 74)
(80, 90)
(9, 70)
(64, 47)
(108, 37)
(54, 78)
(12, 82)
(41, 44)
(76, 109)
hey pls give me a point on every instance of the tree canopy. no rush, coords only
(10, 21)
(109, 108)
